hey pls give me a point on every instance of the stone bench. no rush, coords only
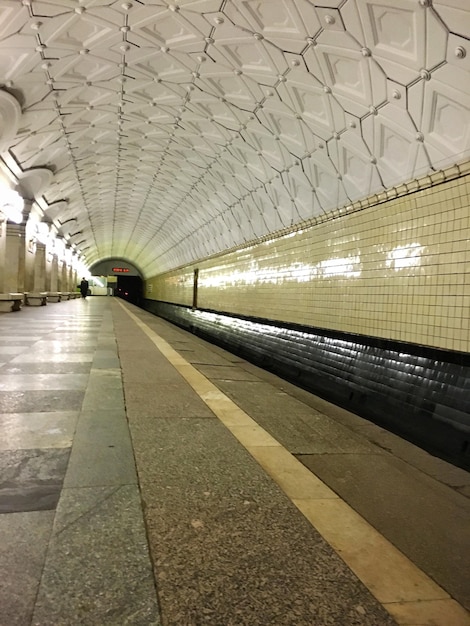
(65, 295)
(54, 296)
(10, 302)
(36, 298)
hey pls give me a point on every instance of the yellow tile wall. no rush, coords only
(397, 270)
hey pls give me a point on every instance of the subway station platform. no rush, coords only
(150, 478)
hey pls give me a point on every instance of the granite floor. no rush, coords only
(149, 478)
(74, 547)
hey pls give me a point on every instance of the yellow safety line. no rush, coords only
(405, 591)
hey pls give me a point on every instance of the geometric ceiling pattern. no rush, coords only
(163, 132)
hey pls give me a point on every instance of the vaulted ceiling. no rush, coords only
(163, 132)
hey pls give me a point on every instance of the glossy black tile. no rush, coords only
(415, 391)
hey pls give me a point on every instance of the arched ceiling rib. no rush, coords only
(175, 130)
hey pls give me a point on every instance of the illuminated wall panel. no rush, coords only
(398, 270)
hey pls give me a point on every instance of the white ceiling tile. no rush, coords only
(454, 15)
(285, 24)
(158, 26)
(10, 119)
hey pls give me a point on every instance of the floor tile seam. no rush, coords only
(336, 453)
(45, 557)
(312, 509)
(158, 416)
(380, 450)
(96, 506)
(318, 413)
(138, 484)
(116, 486)
(207, 386)
(421, 473)
(179, 379)
(92, 414)
(363, 429)
(36, 448)
(404, 612)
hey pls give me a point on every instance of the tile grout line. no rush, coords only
(404, 590)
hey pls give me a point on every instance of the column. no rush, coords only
(40, 268)
(30, 222)
(49, 257)
(3, 243)
(30, 262)
(61, 276)
(74, 279)
(14, 258)
(54, 273)
(71, 286)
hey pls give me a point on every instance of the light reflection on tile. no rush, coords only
(48, 382)
(13, 349)
(20, 338)
(395, 271)
(53, 358)
(50, 344)
(37, 430)
(62, 347)
(9, 339)
(31, 401)
(38, 368)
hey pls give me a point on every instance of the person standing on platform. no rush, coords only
(84, 287)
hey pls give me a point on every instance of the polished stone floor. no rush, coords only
(149, 478)
(74, 548)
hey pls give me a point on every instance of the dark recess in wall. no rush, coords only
(420, 393)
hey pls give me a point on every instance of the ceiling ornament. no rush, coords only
(10, 116)
(34, 182)
(56, 211)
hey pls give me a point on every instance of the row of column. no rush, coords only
(26, 265)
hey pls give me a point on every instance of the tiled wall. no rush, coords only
(396, 270)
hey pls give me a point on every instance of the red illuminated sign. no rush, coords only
(120, 270)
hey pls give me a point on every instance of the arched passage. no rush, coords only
(120, 278)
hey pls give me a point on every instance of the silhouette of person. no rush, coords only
(84, 287)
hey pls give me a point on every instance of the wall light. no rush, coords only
(11, 205)
(59, 248)
(42, 232)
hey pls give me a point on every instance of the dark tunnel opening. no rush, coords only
(129, 288)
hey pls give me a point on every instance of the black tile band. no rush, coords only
(416, 391)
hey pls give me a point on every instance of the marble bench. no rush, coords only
(54, 296)
(65, 295)
(10, 302)
(36, 298)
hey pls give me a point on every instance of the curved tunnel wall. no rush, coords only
(370, 310)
